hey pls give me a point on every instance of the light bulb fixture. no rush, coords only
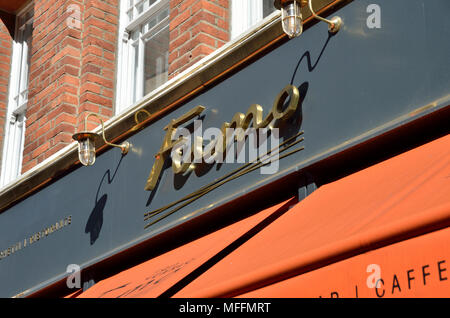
(86, 142)
(292, 20)
(291, 16)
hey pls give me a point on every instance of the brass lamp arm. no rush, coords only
(333, 25)
(124, 146)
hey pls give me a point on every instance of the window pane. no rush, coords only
(140, 8)
(146, 55)
(156, 60)
(150, 24)
(246, 13)
(135, 68)
(268, 7)
(130, 15)
(146, 52)
(163, 15)
(146, 4)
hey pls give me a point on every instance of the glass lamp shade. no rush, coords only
(291, 18)
(86, 147)
(86, 151)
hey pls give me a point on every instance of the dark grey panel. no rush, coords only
(352, 84)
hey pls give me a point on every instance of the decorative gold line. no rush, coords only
(216, 186)
(249, 167)
(151, 213)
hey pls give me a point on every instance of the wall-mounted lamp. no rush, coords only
(86, 142)
(292, 20)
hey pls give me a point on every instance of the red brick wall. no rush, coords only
(53, 82)
(6, 33)
(197, 28)
(71, 72)
(100, 27)
(72, 68)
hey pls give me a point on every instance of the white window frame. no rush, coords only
(14, 137)
(244, 15)
(126, 83)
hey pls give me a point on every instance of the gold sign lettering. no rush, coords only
(168, 144)
(35, 237)
(253, 116)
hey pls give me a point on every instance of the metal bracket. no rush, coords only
(306, 186)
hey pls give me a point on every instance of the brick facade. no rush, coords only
(71, 72)
(73, 63)
(98, 59)
(197, 28)
(53, 83)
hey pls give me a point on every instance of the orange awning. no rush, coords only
(418, 267)
(395, 200)
(154, 277)
(394, 214)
